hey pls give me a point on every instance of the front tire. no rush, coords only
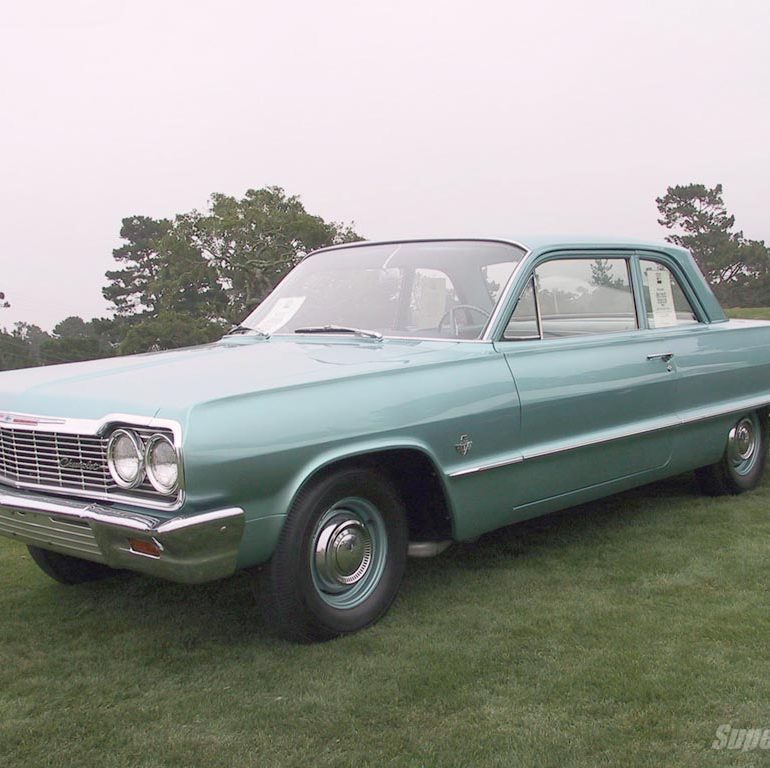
(66, 569)
(743, 464)
(340, 559)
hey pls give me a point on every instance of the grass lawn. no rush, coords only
(621, 633)
(750, 313)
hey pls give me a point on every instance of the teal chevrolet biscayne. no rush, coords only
(385, 400)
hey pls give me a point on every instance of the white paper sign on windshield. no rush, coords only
(281, 313)
(661, 296)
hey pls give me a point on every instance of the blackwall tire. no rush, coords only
(340, 559)
(742, 466)
(68, 570)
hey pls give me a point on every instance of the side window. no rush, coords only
(523, 322)
(664, 300)
(577, 297)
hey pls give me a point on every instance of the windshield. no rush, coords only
(438, 289)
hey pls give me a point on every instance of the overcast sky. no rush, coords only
(409, 118)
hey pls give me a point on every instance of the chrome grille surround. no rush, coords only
(69, 456)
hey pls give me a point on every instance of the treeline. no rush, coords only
(737, 267)
(183, 281)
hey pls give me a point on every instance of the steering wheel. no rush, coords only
(451, 315)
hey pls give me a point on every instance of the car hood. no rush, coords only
(167, 384)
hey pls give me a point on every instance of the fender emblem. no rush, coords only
(464, 446)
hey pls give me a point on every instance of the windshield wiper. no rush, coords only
(238, 330)
(340, 329)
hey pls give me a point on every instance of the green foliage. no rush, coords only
(253, 242)
(183, 281)
(15, 351)
(602, 275)
(169, 330)
(750, 313)
(737, 268)
(131, 289)
(72, 340)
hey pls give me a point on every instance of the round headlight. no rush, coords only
(162, 464)
(125, 458)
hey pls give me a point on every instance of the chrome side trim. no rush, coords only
(703, 414)
(609, 437)
(484, 467)
(715, 411)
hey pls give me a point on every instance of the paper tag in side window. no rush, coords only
(661, 297)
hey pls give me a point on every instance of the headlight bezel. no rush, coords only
(150, 470)
(138, 447)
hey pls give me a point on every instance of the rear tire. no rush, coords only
(340, 559)
(742, 466)
(68, 570)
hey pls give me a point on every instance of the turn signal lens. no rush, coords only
(143, 547)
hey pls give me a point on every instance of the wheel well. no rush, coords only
(417, 482)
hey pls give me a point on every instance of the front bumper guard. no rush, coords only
(192, 549)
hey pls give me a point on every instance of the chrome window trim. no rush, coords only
(558, 255)
(96, 428)
(681, 279)
(502, 302)
(326, 337)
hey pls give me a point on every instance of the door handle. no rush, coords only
(664, 356)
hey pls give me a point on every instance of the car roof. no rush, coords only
(533, 242)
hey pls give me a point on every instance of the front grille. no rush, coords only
(54, 459)
(71, 463)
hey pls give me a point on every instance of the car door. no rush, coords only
(597, 394)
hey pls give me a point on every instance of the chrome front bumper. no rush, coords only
(193, 549)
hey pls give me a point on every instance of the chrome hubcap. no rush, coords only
(348, 553)
(343, 551)
(742, 445)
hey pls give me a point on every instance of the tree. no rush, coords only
(169, 330)
(602, 275)
(14, 352)
(131, 289)
(3, 303)
(74, 339)
(186, 282)
(737, 268)
(167, 294)
(253, 242)
(21, 347)
(183, 281)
